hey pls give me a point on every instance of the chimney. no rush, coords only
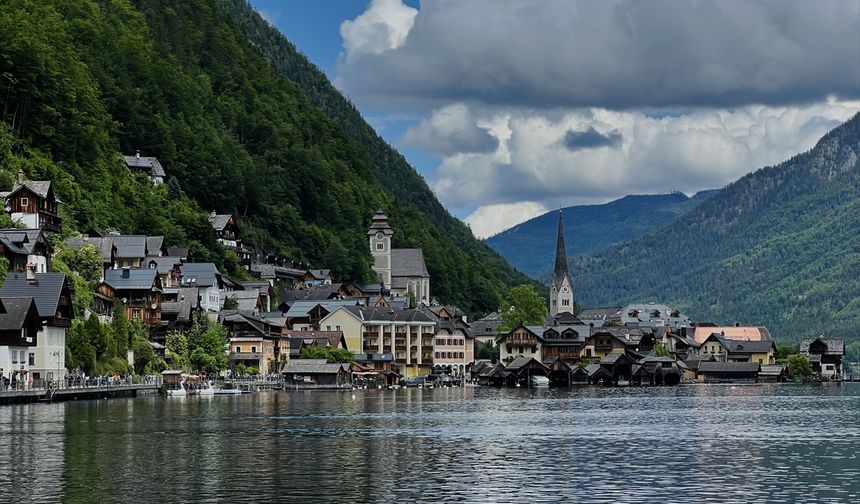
(137, 155)
(31, 273)
(737, 324)
(21, 177)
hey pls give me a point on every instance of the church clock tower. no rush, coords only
(380, 234)
(561, 290)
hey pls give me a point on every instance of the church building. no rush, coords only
(561, 289)
(402, 271)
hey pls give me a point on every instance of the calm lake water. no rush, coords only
(681, 444)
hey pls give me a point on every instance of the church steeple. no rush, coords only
(560, 270)
(561, 290)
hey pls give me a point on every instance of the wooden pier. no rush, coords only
(74, 393)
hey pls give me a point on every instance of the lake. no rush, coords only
(774, 443)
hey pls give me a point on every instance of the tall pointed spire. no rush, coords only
(560, 253)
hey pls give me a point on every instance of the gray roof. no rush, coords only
(387, 314)
(835, 346)
(246, 300)
(199, 274)
(163, 264)
(104, 245)
(312, 366)
(148, 163)
(772, 369)
(154, 244)
(182, 309)
(408, 263)
(302, 308)
(130, 246)
(45, 291)
(21, 239)
(737, 346)
(178, 252)
(13, 312)
(39, 187)
(319, 274)
(191, 294)
(599, 313)
(130, 278)
(728, 367)
(219, 221)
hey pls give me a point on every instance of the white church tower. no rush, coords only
(561, 290)
(380, 234)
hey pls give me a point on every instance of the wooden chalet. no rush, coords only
(34, 204)
(139, 289)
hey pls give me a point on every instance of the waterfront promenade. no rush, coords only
(91, 389)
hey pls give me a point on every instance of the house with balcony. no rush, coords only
(53, 298)
(19, 328)
(138, 289)
(254, 342)
(34, 204)
(453, 348)
(406, 334)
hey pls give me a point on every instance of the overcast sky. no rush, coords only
(511, 108)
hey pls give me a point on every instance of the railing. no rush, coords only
(75, 382)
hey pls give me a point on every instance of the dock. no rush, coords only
(75, 393)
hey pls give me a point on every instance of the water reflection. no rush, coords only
(681, 444)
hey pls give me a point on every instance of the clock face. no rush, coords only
(564, 289)
(378, 236)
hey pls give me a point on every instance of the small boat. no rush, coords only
(207, 390)
(180, 392)
(229, 391)
(539, 381)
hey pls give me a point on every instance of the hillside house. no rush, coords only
(206, 278)
(26, 246)
(139, 290)
(149, 166)
(34, 204)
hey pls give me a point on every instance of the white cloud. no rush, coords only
(617, 54)
(701, 149)
(450, 130)
(489, 220)
(382, 27)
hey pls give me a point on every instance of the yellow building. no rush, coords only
(405, 334)
(733, 350)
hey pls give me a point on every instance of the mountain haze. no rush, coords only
(87, 80)
(779, 247)
(530, 246)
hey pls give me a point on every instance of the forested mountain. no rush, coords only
(530, 246)
(82, 81)
(470, 272)
(779, 247)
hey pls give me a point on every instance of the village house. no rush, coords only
(138, 289)
(149, 166)
(53, 298)
(825, 356)
(314, 277)
(598, 317)
(408, 334)
(701, 332)
(26, 246)
(253, 342)
(652, 315)
(207, 280)
(318, 339)
(608, 340)
(486, 328)
(19, 328)
(308, 315)
(731, 350)
(168, 270)
(33, 204)
(453, 348)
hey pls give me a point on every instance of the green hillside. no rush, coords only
(779, 247)
(82, 81)
(530, 246)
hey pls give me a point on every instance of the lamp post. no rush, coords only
(56, 355)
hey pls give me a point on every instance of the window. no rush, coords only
(25, 202)
(14, 356)
(565, 302)
(380, 246)
(337, 328)
(135, 314)
(508, 348)
(238, 349)
(32, 359)
(253, 349)
(328, 328)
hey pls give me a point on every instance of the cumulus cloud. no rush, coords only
(382, 27)
(701, 149)
(489, 220)
(450, 130)
(590, 138)
(616, 54)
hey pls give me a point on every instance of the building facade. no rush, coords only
(561, 290)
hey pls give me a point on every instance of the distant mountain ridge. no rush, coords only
(530, 246)
(779, 247)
